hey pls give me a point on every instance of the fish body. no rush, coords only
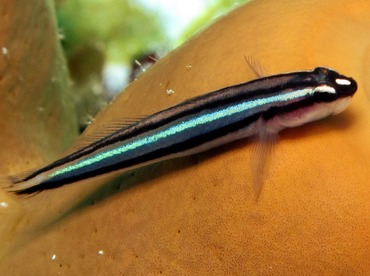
(259, 107)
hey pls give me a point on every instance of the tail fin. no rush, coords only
(15, 191)
(8, 183)
(18, 184)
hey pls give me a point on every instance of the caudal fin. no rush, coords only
(18, 184)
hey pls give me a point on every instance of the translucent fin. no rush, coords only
(107, 129)
(9, 192)
(8, 186)
(6, 183)
(10, 182)
(12, 187)
(264, 141)
(260, 158)
(256, 66)
(15, 183)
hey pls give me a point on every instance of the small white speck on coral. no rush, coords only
(4, 51)
(170, 91)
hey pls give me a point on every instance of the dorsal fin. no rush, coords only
(107, 129)
(256, 66)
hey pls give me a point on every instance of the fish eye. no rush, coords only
(343, 82)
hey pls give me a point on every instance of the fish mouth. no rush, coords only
(344, 86)
(348, 90)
